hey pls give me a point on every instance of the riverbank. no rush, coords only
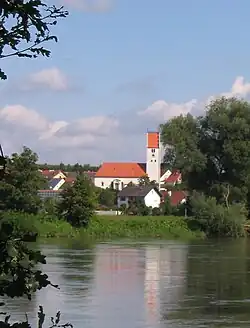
(105, 227)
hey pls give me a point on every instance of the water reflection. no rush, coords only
(168, 284)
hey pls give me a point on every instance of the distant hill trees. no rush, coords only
(69, 167)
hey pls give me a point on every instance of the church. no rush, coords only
(118, 175)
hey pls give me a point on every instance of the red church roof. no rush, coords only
(120, 170)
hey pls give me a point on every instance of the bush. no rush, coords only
(216, 219)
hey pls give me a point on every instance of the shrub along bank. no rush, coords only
(104, 227)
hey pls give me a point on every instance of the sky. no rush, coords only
(120, 68)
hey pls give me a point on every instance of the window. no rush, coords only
(153, 150)
(122, 199)
(117, 186)
(122, 185)
(102, 183)
(153, 155)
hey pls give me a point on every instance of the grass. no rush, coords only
(45, 227)
(134, 227)
(105, 227)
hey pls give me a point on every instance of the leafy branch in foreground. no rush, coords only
(18, 273)
(25, 27)
(55, 322)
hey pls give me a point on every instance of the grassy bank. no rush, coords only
(106, 227)
(45, 227)
(162, 227)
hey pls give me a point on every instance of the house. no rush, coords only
(119, 175)
(150, 196)
(177, 197)
(56, 183)
(174, 178)
(53, 174)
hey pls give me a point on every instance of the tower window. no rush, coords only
(153, 155)
(153, 150)
(102, 184)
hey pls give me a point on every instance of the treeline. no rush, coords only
(69, 167)
(213, 153)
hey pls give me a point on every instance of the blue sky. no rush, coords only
(118, 62)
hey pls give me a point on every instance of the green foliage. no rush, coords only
(68, 167)
(156, 211)
(145, 181)
(25, 27)
(216, 219)
(166, 207)
(78, 202)
(50, 207)
(134, 227)
(55, 321)
(19, 274)
(213, 151)
(106, 197)
(18, 188)
(42, 226)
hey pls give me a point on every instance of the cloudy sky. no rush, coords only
(122, 67)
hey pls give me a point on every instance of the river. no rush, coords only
(150, 284)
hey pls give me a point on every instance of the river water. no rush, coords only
(139, 285)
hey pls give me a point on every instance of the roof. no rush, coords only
(176, 196)
(174, 177)
(49, 190)
(70, 179)
(120, 170)
(54, 182)
(153, 140)
(137, 191)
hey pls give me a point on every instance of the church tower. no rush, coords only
(153, 165)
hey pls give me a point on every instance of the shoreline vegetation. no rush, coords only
(104, 227)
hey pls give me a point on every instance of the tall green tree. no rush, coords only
(26, 27)
(19, 186)
(213, 151)
(78, 202)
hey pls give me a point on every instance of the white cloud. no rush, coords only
(52, 79)
(96, 138)
(23, 126)
(161, 110)
(90, 5)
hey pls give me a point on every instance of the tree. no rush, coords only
(18, 188)
(213, 151)
(107, 197)
(25, 27)
(166, 206)
(19, 275)
(145, 181)
(78, 202)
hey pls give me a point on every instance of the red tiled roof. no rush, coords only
(174, 177)
(69, 179)
(176, 196)
(120, 170)
(153, 139)
(45, 172)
